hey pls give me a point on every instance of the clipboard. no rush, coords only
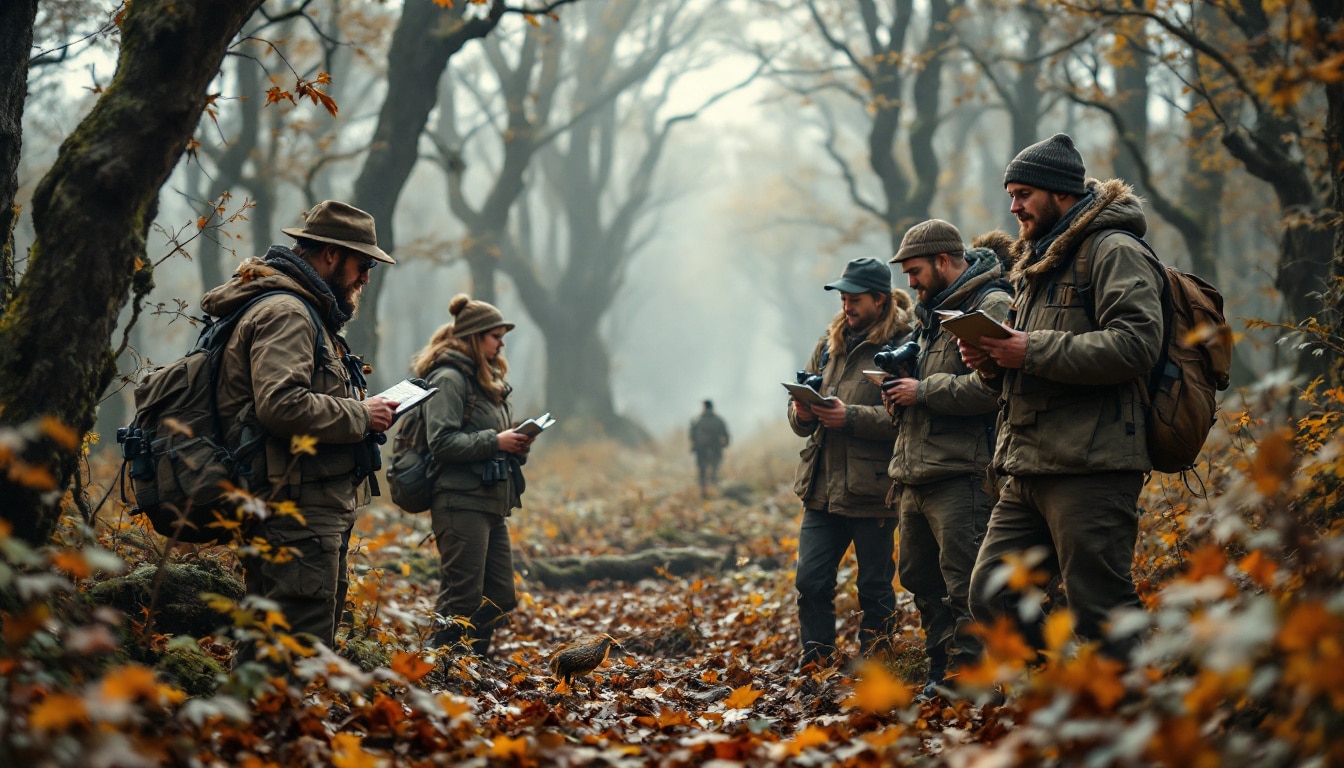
(807, 395)
(970, 327)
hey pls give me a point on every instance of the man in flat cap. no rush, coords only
(842, 478)
(945, 438)
(287, 373)
(1087, 329)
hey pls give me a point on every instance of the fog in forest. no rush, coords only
(763, 190)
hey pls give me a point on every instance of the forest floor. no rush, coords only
(1242, 659)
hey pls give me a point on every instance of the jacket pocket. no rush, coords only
(866, 473)
(807, 467)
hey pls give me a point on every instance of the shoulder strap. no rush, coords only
(1085, 258)
(472, 386)
(217, 332)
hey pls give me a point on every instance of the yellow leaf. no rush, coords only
(57, 712)
(877, 691)
(1260, 568)
(742, 698)
(303, 444)
(1058, 630)
(506, 747)
(812, 736)
(347, 752)
(128, 683)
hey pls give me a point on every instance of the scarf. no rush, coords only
(294, 266)
(1039, 247)
(979, 262)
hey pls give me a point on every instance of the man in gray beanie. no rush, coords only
(1086, 330)
(841, 478)
(944, 439)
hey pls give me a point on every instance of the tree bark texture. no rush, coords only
(426, 37)
(16, 41)
(91, 214)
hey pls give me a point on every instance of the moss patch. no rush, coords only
(179, 609)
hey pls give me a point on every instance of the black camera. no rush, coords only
(899, 362)
(809, 379)
(495, 470)
(135, 448)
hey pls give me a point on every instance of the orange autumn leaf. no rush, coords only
(444, 3)
(812, 736)
(411, 666)
(347, 752)
(1208, 560)
(32, 476)
(1023, 575)
(64, 436)
(505, 747)
(877, 691)
(73, 562)
(1260, 568)
(1274, 461)
(57, 713)
(128, 683)
(1307, 626)
(1003, 643)
(742, 698)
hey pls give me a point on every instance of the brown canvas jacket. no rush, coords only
(844, 470)
(272, 380)
(949, 431)
(1076, 406)
(461, 447)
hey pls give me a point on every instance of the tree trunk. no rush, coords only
(578, 379)
(91, 214)
(576, 571)
(16, 43)
(427, 36)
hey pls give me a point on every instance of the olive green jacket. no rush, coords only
(844, 470)
(1076, 406)
(273, 380)
(462, 423)
(949, 431)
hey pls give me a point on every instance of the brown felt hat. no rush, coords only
(471, 317)
(340, 224)
(929, 238)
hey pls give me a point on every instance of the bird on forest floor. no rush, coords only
(578, 659)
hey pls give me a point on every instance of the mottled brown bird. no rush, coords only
(578, 659)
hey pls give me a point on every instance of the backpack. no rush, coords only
(1195, 360)
(412, 469)
(178, 462)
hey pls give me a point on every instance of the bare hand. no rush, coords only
(1010, 352)
(900, 392)
(381, 411)
(832, 415)
(513, 442)
(803, 413)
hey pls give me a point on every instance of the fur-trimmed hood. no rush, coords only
(896, 325)
(1115, 206)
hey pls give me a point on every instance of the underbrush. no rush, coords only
(105, 658)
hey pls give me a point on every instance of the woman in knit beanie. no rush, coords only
(477, 463)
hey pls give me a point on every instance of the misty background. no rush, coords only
(694, 172)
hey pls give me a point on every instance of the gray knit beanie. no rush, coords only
(472, 317)
(1053, 165)
(929, 238)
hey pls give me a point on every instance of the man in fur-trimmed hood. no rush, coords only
(1087, 328)
(842, 478)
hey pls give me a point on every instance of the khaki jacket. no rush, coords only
(844, 470)
(462, 446)
(273, 380)
(1076, 406)
(949, 431)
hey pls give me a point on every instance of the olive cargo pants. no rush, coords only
(942, 525)
(310, 586)
(475, 573)
(1088, 526)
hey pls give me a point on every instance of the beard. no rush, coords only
(1039, 226)
(347, 294)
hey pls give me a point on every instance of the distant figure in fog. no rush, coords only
(709, 436)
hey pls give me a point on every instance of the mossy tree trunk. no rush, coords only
(91, 214)
(16, 41)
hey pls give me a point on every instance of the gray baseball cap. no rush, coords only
(863, 275)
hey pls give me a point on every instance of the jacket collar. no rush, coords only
(1114, 206)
